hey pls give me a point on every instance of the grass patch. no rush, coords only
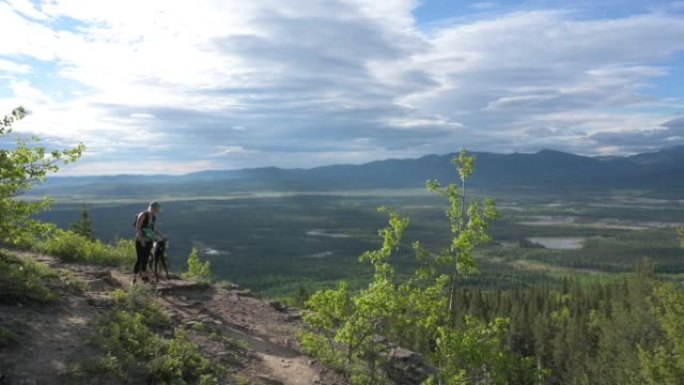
(25, 279)
(138, 344)
(71, 247)
(70, 280)
(7, 338)
(228, 285)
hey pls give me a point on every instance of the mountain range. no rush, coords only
(546, 170)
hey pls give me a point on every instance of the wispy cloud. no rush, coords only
(230, 84)
(482, 5)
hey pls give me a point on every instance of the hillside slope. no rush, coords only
(253, 339)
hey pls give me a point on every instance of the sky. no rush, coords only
(180, 86)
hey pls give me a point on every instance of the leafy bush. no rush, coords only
(138, 298)
(71, 247)
(357, 333)
(131, 337)
(475, 354)
(22, 166)
(7, 338)
(69, 279)
(25, 279)
(197, 270)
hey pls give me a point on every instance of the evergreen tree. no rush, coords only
(663, 364)
(197, 270)
(84, 225)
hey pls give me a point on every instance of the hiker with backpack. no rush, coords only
(144, 239)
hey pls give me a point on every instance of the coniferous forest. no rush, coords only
(614, 333)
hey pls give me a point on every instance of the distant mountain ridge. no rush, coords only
(546, 169)
(671, 157)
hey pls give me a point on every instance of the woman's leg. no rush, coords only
(139, 252)
(144, 258)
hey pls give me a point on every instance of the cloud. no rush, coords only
(11, 67)
(27, 9)
(483, 5)
(231, 151)
(166, 166)
(527, 71)
(141, 115)
(669, 134)
(228, 84)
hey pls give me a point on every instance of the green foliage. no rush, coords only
(581, 332)
(70, 280)
(329, 310)
(72, 247)
(20, 168)
(663, 363)
(197, 270)
(7, 338)
(357, 333)
(131, 338)
(138, 298)
(468, 223)
(84, 225)
(578, 332)
(477, 354)
(370, 323)
(25, 279)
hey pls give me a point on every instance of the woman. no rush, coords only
(144, 239)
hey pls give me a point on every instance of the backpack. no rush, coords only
(135, 218)
(150, 218)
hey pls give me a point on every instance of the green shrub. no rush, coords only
(7, 338)
(70, 280)
(25, 279)
(197, 270)
(71, 247)
(132, 337)
(139, 299)
(355, 332)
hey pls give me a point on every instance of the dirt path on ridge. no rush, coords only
(52, 336)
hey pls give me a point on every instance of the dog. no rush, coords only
(158, 259)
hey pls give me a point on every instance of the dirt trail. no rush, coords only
(264, 332)
(50, 336)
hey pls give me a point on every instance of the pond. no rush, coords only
(548, 220)
(559, 243)
(324, 233)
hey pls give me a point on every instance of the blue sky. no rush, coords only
(175, 86)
